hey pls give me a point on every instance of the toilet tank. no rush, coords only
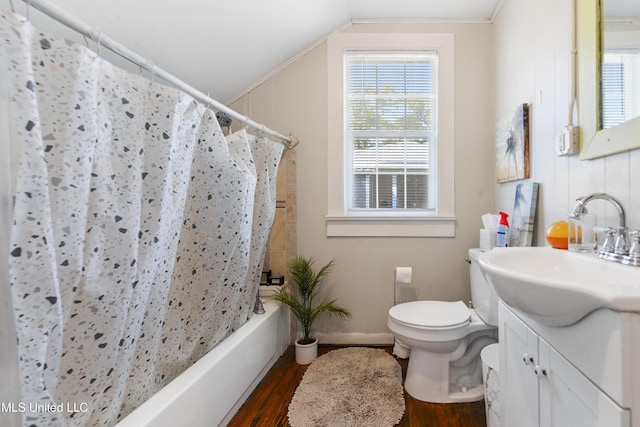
(484, 298)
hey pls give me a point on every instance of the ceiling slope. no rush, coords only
(223, 47)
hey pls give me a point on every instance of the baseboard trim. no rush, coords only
(385, 338)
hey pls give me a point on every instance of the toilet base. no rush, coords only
(428, 380)
(474, 394)
(400, 350)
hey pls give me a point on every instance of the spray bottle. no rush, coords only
(503, 231)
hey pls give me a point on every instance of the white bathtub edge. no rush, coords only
(195, 400)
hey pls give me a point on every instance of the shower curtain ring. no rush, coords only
(150, 68)
(206, 107)
(96, 35)
(210, 101)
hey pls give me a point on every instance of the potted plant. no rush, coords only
(305, 287)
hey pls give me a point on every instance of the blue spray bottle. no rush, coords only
(503, 231)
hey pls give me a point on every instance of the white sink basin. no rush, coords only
(558, 287)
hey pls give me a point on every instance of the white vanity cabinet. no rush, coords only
(540, 387)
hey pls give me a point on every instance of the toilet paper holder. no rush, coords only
(402, 289)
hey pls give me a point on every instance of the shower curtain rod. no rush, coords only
(75, 24)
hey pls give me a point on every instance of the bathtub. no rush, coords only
(211, 391)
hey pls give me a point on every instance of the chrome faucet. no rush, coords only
(613, 252)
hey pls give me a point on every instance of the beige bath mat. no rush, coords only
(354, 386)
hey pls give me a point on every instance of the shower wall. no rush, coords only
(282, 240)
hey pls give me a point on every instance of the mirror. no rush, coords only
(605, 130)
(619, 62)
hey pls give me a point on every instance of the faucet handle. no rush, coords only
(615, 251)
(622, 246)
(608, 245)
(634, 251)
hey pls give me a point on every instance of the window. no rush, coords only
(391, 105)
(620, 86)
(390, 135)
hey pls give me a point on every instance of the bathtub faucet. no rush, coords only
(610, 251)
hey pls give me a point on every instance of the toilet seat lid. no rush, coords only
(431, 314)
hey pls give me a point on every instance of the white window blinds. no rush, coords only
(391, 131)
(620, 86)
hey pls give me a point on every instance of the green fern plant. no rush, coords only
(306, 285)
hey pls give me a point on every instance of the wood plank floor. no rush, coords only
(267, 406)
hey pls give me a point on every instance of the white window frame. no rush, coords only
(340, 221)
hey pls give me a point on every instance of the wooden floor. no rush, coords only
(267, 406)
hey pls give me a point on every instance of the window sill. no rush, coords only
(380, 226)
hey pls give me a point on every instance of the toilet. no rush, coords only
(445, 340)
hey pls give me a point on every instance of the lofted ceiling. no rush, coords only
(224, 47)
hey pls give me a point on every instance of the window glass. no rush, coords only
(391, 109)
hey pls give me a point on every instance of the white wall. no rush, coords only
(526, 52)
(295, 99)
(532, 64)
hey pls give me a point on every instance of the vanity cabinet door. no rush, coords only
(518, 383)
(568, 398)
(539, 387)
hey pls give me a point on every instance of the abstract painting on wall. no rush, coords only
(512, 146)
(524, 214)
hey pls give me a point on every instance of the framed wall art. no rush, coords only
(524, 214)
(512, 146)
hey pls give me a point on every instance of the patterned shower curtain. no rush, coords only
(138, 232)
